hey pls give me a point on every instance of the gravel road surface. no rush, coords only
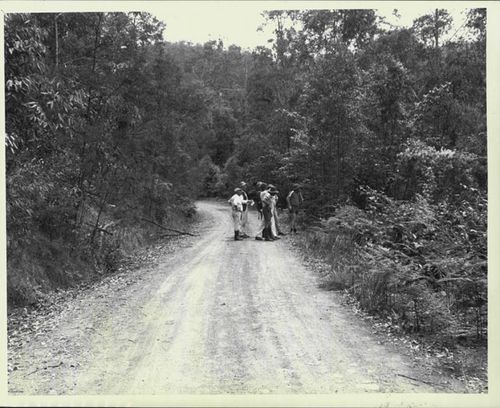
(214, 316)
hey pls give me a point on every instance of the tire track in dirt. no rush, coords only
(215, 317)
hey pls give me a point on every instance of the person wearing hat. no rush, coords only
(266, 200)
(274, 213)
(254, 196)
(237, 202)
(261, 186)
(277, 230)
(244, 214)
(294, 201)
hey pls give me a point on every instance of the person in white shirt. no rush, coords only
(275, 229)
(237, 202)
(244, 214)
(294, 202)
(257, 195)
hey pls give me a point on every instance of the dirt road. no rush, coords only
(215, 316)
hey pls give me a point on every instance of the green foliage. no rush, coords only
(93, 108)
(410, 260)
(211, 178)
(439, 175)
(430, 27)
(476, 21)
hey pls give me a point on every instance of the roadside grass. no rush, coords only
(410, 271)
(38, 265)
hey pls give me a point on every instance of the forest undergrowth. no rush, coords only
(418, 271)
(43, 267)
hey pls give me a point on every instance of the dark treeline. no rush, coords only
(385, 128)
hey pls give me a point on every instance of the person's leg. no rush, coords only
(295, 215)
(265, 229)
(267, 233)
(244, 224)
(274, 228)
(274, 233)
(278, 229)
(292, 220)
(260, 232)
(236, 224)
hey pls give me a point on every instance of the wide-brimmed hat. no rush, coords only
(271, 186)
(237, 189)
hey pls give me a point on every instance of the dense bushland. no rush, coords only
(421, 265)
(111, 129)
(96, 115)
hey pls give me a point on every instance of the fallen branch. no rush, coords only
(455, 278)
(421, 277)
(99, 228)
(416, 379)
(33, 372)
(49, 366)
(54, 366)
(168, 229)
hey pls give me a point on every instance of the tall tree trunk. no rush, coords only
(94, 62)
(83, 173)
(338, 165)
(436, 29)
(56, 35)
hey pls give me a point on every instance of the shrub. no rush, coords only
(421, 264)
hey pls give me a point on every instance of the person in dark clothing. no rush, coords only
(262, 199)
(294, 202)
(254, 195)
(266, 200)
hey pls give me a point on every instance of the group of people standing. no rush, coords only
(265, 198)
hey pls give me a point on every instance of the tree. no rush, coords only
(431, 27)
(476, 22)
